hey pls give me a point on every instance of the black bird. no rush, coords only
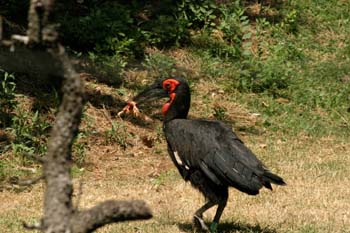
(206, 153)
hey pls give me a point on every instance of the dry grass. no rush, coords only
(317, 198)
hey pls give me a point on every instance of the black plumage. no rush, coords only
(207, 153)
(215, 150)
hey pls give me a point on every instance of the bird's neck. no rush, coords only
(178, 105)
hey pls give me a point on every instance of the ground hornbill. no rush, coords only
(206, 153)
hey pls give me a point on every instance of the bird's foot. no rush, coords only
(199, 224)
(213, 227)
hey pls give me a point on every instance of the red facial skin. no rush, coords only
(169, 85)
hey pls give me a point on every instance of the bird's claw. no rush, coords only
(199, 224)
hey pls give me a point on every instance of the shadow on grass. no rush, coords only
(231, 227)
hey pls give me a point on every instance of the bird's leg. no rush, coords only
(198, 216)
(219, 211)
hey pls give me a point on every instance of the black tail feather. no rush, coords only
(269, 178)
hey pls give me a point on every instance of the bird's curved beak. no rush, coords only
(151, 93)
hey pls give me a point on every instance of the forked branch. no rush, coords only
(109, 212)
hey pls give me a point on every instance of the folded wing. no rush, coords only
(212, 147)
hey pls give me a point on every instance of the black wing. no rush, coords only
(212, 147)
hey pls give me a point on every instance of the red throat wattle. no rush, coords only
(169, 85)
(166, 106)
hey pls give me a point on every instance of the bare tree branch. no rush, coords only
(40, 29)
(109, 212)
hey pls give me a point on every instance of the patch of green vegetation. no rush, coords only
(79, 149)
(309, 229)
(159, 65)
(228, 38)
(164, 177)
(30, 132)
(10, 225)
(7, 98)
(299, 75)
(220, 113)
(77, 171)
(117, 134)
(23, 132)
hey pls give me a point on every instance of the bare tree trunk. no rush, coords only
(58, 196)
(40, 53)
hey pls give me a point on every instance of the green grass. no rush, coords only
(308, 67)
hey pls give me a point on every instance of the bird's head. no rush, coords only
(176, 89)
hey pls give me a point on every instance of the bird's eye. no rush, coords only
(170, 84)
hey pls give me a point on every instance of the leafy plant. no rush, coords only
(7, 97)
(117, 134)
(290, 22)
(29, 132)
(79, 150)
(272, 75)
(220, 113)
(159, 64)
(198, 14)
(230, 37)
(235, 26)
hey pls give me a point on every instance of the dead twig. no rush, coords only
(30, 182)
(35, 226)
